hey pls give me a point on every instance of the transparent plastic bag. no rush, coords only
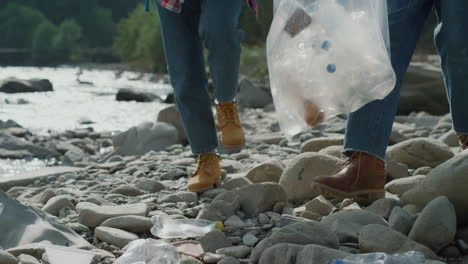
(149, 251)
(327, 57)
(166, 227)
(411, 257)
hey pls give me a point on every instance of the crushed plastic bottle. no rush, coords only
(149, 251)
(411, 257)
(165, 227)
(59, 255)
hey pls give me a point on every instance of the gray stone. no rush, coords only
(231, 166)
(334, 151)
(127, 190)
(347, 224)
(236, 252)
(249, 239)
(187, 197)
(214, 240)
(14, 85)
(231, 183)
(320, 205)
(253, 95)
(11, 144)
(269, 171)
(56, 203)
(229, 260)
(299, 234)
(401, 186)
(131, 223)
(317, 144)
(27, 178)
(23, 225)
(263, 219)
(422, 171)
(129, 94)
(301, 171)
(92, 215)
(79, 228)
(114, 236)
(400, 220)
(173, 175)
(379, 238)
(149, 185)
(436, 225)
(449, 179)
(420, 152)
(234, 222)
(75, 155)
(7, 258)
(295, 254)
(383, 207)
(171, 116)
(310, 216)
(396, 170)
(144, 138)
(261, 197)
(27, 259)
(450, 139)
(219, 210)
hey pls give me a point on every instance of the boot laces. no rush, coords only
(203, 161)
(228, 115)
(354, 156)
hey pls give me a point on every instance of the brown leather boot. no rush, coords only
(232, 134)
(361, 177)
(207, 175)
(463, 139)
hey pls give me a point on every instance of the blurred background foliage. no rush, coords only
(53, 32)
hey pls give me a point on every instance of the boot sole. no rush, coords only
(201, 191)
(230, 149)
(363, 197)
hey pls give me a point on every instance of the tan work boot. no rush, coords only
(463, 139)
(207, 175)
(362, 177)
(232, 134)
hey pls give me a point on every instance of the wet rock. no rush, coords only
(14, 85)
(450, 180)
(436, 225)
(269, 171)
(114, 236)
(15, 148)
(420, 152)
(300, 172)
(299, 234)
(92, 215)
(126, 94)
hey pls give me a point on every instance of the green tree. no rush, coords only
(67, 39)
(138, 40)
(17, 25)
(42, 49)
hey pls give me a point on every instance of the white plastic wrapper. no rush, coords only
(327, 57)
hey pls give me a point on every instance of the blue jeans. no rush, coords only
(210, 24)
(369, 128)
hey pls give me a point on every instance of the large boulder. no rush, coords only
(449, 179)
(295, 254)
(171, 116)
(22, 225)
(16, 148)
(420, 152)
(13, 85)
(126, 94)
(423, 90)
(269, 171)
(299, 234)
(146, 137)
(300, 172)
(253, 95)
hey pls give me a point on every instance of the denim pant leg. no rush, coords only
(369, 129)
(184, 56)
(222, 38)
(451, 40)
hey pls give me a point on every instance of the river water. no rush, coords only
(72, 102)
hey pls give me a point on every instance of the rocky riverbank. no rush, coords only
(105, 199)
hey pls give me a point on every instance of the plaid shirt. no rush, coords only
(176, 5)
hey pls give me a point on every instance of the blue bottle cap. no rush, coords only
(326, 45)
(331, 68)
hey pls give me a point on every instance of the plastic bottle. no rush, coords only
(411, 257)
(165, 227)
